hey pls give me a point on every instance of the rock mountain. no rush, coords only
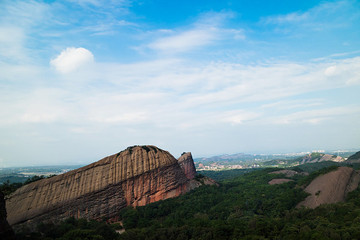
(134, 177)
(331, 187)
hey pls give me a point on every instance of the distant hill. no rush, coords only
(320, 157)
(242, 160)
(309, 158)
(354, 158)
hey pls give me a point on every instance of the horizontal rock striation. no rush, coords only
(134, 177)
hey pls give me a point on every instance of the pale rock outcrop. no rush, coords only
(331, 187)
(279, 181)
(134, 177)
(315, 157)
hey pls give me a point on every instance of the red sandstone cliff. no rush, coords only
(187, 164)
(136, 176)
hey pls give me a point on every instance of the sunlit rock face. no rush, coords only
(134, 177)
(331, 187)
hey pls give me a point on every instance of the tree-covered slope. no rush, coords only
(244, 207)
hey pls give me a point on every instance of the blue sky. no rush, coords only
(83, 79)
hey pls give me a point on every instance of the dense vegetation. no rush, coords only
(226, 174)
(356, 156)
(242, 207)
(72, 229)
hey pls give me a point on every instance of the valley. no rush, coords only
(296, 202)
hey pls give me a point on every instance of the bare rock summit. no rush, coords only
(331, 187)
(187, 164)
(134, 177)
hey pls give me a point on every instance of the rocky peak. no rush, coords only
(134, 177)
(187, 164)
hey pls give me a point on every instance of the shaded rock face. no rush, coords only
(187, 164)
(331, 187)
(6, 233)
(355, 158)
(134, 177)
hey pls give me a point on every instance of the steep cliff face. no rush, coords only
(187, 164)
(6, 233)
(134, 177)
(331, 187)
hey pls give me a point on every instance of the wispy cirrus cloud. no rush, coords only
(214, 76)
(319, 18)
(184, 41)
(207, 30)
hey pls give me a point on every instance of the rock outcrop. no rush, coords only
(279, 181)
(289, 173)
(6, 232)
(331, 187)
(320, 157)
(187, 164)
(355, 158)
(134, 177)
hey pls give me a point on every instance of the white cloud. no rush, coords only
(207, 30)
(154, 101)
(23, 13)
(184, 41)
(239, 117)
(326, 15)
(148, 93)
(288, 18)
(315, 116)
(330, 71)
(72, 59)
(11, 44)
(294, 104)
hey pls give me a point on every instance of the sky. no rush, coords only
(84, 79)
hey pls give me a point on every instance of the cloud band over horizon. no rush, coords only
(211, 82)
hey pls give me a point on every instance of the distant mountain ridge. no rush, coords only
(320, 157)
(355, 158)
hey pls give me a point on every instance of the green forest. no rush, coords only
(243, 206)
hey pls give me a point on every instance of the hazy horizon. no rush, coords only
(86, 162)
(83, 79)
